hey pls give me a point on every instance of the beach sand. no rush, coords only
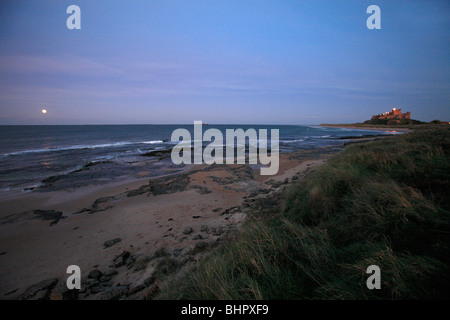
(159, 225)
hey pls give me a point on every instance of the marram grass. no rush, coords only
(383, 202)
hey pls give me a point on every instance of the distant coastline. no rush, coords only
(406, 128)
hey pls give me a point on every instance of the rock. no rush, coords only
(111, 273)
(286, 181)
(101, 204)
(105, 278)
(232, 209)
(61, 292)
(161, 252)
(196, 217)
(111, 242)
(218, 232)
(182, 239)
(82, 211)
(134, 193)
(40, 290)
(40, 295)
(177, 252)
(200, 246)
(204, 228)
(114, 293)
(198, 237)
(94, 283)
(187, 230)
(121, 259)
(97, 289)
(53, 215)
(107, 284)
(131, 261)
(11, 292)
(95, 274)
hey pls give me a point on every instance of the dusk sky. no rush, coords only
(224, 62)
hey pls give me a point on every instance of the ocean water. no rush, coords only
(45, 158)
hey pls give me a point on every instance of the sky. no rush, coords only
(223, 62)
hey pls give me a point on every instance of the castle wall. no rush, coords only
(394, 114)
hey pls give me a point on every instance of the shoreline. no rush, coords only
(170, 219)
(372, 127)
(155, 224)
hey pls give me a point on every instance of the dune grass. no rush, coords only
(384, 202)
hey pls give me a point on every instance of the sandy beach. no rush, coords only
(130, 231)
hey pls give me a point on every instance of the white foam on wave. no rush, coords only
(76, 147)
(292, 141)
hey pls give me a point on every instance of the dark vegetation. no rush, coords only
(381, 203)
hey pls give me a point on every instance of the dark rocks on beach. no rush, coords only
(97, 289)
(95, 274)
(230, 211)
(204, 228)
(101, 204)
(202, 189)
(274, 184)
(121, 259)
(40, 290)
(105, 278)
(114, 293)
(198, 237)
(82, 211)
(53, 215)
(200, 246)
(61, 292)
(187, 230)
(11, 292)
(52, 179)
(169, 184)
(92, 283)
(111, 273)
(135, 192)
(217, 232)
(161, 252)
(111, 242)
(106, 283)
(238, 173)
(157, 153)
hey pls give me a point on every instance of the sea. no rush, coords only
(48, 158)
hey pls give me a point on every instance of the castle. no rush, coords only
(395, 114)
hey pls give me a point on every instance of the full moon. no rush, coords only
(44, 111)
